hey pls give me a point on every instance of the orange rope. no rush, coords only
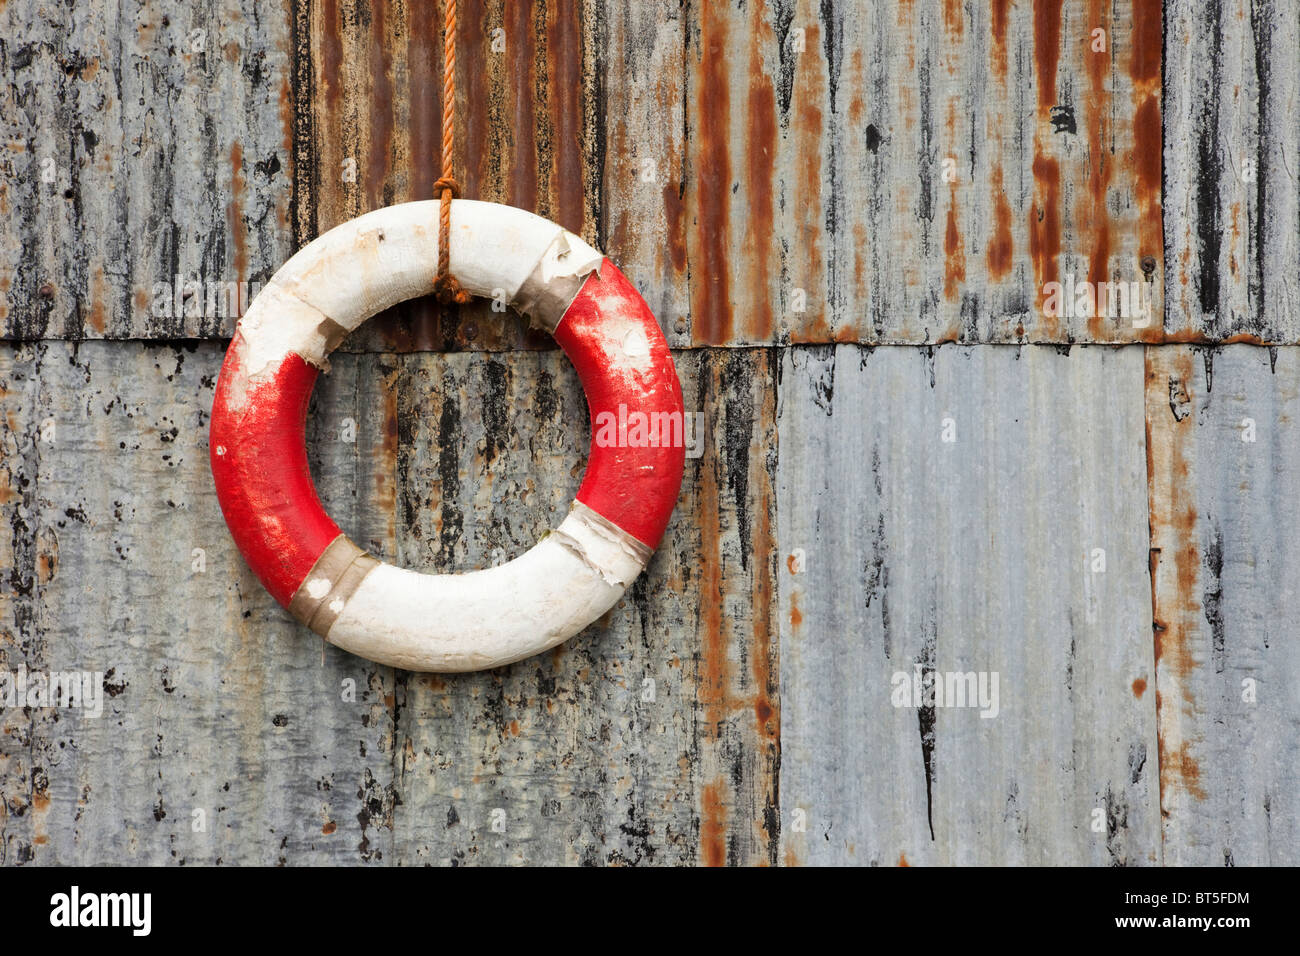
(447, 288)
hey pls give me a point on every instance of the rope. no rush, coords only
(445, 286)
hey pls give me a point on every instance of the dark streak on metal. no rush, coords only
(925, 716)
(1209, 173)
(303, 172)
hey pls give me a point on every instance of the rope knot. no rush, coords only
(448, 290)
(444, 184)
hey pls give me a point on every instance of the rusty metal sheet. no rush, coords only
(898, 173)
(1223, 468)
(652, 737)
(909, 173)
(1232, 213)
(1017, 548)
(370, 124)
(145, 153)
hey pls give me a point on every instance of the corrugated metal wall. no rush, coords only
(847, 218)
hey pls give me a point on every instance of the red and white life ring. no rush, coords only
(444, 622)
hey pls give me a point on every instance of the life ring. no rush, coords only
(446, 622)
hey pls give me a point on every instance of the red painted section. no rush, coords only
(613, 340)
(263, 481)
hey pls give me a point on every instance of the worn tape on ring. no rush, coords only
(553, 284)
(334, 578)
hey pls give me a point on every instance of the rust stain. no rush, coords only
(902, 860)
(952, 17)
(329, 828)
(1175, 566)
(1139, 687)
(998, 21)
(1147, 159)
(564, 71)
(235, 211)
(521, 46)
(1044, 212)
(760, 170)
(710, 286)
(954, 254)
(1148, 164)
(1095, 211)
(1148, 37)
(47, 566)
(713, 824)
(98, 316)
(479, 102)
(1002, 245)
(1047, 52)
(675, 216)
(424, 90)
(796, 616)
(808, 263)
(762, 657)
(380, 108)
(328, 40)
(1179, 769)
(1045, 234)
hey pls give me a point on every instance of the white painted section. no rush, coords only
(482, 619)
(388, 256)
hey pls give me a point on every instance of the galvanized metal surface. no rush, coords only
(1003, 536)
(1232, 171)
(736, 706)
(1224, 464)
(652, 737)
(142, 147)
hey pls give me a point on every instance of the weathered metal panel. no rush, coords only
(909, 173)
(1224, 463)
(652, 737)
(219, 712)
(1017, 547)
(1232, 209)
(142, 147)
(372, 120)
